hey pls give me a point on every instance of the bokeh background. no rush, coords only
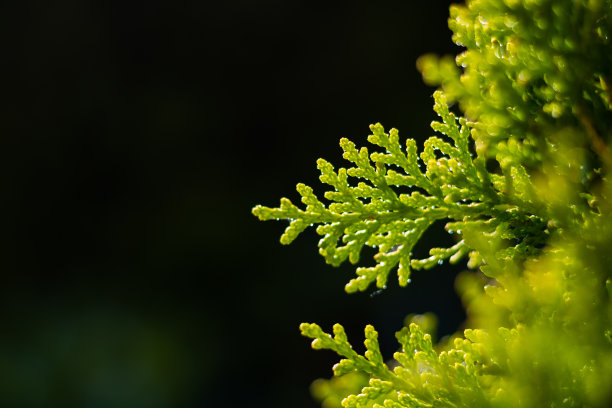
(136, 136)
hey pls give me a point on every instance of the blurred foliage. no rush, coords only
(523, 183)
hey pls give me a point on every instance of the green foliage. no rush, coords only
(530, 67)
(375, 213)
(534, 86)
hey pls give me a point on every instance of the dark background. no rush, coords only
(136, 136)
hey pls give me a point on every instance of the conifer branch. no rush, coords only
(374, 212)
(539, 228)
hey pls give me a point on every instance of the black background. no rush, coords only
(136, 138)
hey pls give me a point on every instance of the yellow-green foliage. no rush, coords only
(535, 87)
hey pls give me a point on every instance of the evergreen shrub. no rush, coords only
(522, 181)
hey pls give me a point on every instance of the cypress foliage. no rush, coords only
(535, 87)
